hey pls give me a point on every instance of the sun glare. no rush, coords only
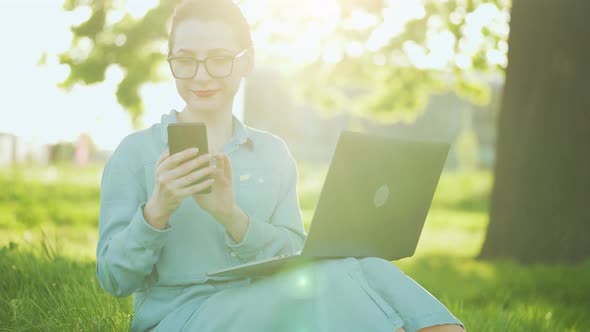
(310, 24)
(308, 34)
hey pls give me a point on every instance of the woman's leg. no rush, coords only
(443, 328)
(320, 296)
(419, 309)
(437, 328)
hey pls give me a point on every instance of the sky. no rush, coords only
(35, 109)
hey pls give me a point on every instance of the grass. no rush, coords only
(48, 226)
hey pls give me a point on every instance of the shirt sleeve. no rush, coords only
(128, 247)
(284, 232)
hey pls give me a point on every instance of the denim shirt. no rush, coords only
(166, 269)
(133, 257)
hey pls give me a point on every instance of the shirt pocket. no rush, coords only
(256, 191)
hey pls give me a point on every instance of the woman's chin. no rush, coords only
(205, 105)
(203, 110)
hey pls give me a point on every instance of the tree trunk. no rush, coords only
(540, 203)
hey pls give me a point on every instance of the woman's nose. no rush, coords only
(201, 74)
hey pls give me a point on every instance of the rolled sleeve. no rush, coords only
(128, 247)
(250, 244)
(145, 234)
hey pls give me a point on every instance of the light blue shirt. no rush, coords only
(133, 256)
(166, 269)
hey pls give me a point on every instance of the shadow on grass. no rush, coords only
(475, 203)
(42, 290)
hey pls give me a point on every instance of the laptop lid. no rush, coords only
(375, 197)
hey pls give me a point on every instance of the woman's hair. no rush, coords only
(208, 10)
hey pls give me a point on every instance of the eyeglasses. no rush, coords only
(218, 66)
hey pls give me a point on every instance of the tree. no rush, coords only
(376, 57)
(133, 44)
(542, 178)
(539, 206)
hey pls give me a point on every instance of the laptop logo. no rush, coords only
(381, 196)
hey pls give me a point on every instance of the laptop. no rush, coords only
(373, 203)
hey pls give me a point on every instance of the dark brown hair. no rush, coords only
(224, 10)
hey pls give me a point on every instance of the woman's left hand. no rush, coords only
(220, 202)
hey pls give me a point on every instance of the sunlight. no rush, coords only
(254, 11)
(114, 16)
(82, 49)
(138, 8)
(395, 16)
(441, 49)
(327, 11)
(486, 15)
(303, 285)
(415, 52)
(310, 24)
(80, 15)
(332, 54)
(497, 58)
(354, 49)
(482, 16)
(463, 61)
(302, 281)
(360, 20)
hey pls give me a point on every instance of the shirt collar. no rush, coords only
(240, 133)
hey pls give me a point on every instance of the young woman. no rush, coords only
(157, 239)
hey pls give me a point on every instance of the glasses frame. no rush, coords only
(204, 61)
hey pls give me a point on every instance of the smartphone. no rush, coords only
(182, 136)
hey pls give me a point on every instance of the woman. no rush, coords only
(157, 239)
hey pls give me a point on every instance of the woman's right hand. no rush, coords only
(173, 177)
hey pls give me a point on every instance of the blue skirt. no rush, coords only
(348, 294)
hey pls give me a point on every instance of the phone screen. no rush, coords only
(182, 136)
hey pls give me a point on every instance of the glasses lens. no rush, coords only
(219, 66)
(183, 67)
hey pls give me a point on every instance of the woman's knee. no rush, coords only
(372, 263)
(443, 328)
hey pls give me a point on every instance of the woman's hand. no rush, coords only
(174, 175)
(220, 202)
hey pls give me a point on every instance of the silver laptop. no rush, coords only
(373, 203)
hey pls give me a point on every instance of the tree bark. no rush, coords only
(540, 203)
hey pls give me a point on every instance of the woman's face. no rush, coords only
(200, 39)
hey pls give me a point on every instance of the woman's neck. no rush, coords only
(219, 126)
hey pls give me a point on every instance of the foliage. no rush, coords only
(386, 63)
(132, 44)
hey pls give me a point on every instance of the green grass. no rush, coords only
(48, 226)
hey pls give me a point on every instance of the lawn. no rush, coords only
(48, 226)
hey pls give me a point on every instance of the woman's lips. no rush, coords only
(204, 93)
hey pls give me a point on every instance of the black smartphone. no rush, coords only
(182, 136)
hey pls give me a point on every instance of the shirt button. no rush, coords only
(232, 254)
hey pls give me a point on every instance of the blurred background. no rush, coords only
(505, 245)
